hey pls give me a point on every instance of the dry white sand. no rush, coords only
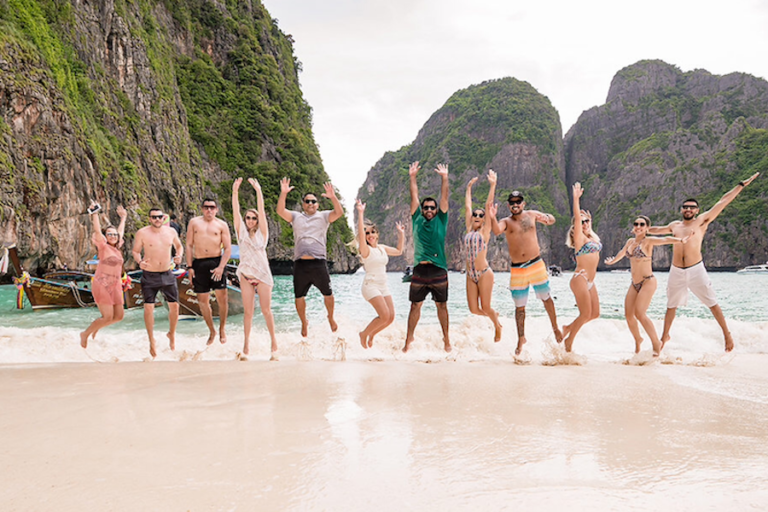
(383, 436)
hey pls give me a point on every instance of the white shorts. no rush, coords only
(693, 278)
(375, 288)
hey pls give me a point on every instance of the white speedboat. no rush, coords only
(754, 269)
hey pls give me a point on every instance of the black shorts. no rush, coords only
(203, 281)
(153, 282)
(311, 272)
(428, 278)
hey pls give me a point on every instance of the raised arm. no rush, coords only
(545, 218)
(468, 204)
(285, 187)
(487, 222)
(121, 227)
(620, 255)
(263, 224)
(363, 244)
(724, 201)
(578, 234)
(236, 217)
(330, 193)
(97, 237)
(391, 251)
(497, 227)
(442, 170)
(662, 230)
(414, 187)
(664, 240)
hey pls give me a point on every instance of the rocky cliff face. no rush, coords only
(664, 135)
(141, 104)
(504, 125)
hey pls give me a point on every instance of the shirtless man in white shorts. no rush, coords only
(687, 271)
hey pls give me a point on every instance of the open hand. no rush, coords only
(442, 170)
(577, 190)
(413, 169)
(255, 184)
(285, 186)
(360, 206)
(236, 184)
(400, 228)
(491, 177)
(121, 212)
(329, 193)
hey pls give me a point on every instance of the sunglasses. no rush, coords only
(689, 207)
(112, 234)
(641, 224)
(479, 215)
(370, 233)
(429, 208)
(585, 221)
(310, 201)
(249, 217)
(156, 217)
(513, 203)
(209, 207)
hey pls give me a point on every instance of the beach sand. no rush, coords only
(389, 435)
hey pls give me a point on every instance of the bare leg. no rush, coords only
(580, 290)
(173, 321)
(265, 302)
(413, 319)
(442, 316)
(222, 297)
(473, 296)
(520, 321)
(107, 312)
(718, 313)
(549, 305)
(301, 309)
(378, 323)
(669, 317)
(641, 306)
(391, 315)
(629, 313)
(485, 287)
(329, 307)
(149, 323)
(204, 301)
(248, 293)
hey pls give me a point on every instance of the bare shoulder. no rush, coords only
(222, 224)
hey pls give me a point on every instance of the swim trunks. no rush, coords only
(426, 279)
(153, 282)
(694, 278)
(308, 273)
(523, 275)
(203, 281)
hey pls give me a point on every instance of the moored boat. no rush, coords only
(754, 269)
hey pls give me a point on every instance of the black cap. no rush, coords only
(516, 194)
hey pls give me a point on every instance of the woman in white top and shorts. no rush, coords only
(253, 271)
(375, 257)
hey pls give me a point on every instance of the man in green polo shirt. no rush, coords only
(430, 271)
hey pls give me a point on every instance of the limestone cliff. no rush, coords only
(144, 103)
(504, 125)
(664, 135)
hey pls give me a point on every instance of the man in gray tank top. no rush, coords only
(310, 230)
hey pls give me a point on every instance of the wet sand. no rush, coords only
(383, 436)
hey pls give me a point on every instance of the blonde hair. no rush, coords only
(253, 231)
(591, 235)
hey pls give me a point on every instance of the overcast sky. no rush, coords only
(375, 70)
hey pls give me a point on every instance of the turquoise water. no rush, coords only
(741, 296)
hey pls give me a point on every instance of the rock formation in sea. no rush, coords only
(146, 103)
(665, 135)
(504, 125)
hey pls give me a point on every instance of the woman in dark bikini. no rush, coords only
(586, 247)
(639, 250)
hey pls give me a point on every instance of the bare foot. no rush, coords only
(211, 337)
(497, 327)
(656, 348)
(728, 342)
(83, 340)
(222, 337)
(407, 345)
(363, 340)
(558, 335)
(638, 343)
(334, 326)
(172, 340)
(566, 330)
(520, 342)
(568, 343)
(152, 350)
(448, 347)
(304, 329)
(246, 348)
(370, 342)
(275, 356)
(664, 340)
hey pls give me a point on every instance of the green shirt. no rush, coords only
(429, 238)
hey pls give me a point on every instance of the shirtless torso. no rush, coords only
(205, 238)
(688, 254)
(156, 243)
(522, 238)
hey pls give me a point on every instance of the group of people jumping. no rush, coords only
(157, 249)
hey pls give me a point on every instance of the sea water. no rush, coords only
(53, 335)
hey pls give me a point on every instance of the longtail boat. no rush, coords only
(189, 304)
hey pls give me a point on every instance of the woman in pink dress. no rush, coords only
(107, 286)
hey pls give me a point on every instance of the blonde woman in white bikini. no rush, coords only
(639, 250)
(479, 273)
(253, 271)
(586, 247)
(375, 257)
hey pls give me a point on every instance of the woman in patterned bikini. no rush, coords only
(586, 246)
(479, 273)
(639, 250)
(253, 271)
(107, 287)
